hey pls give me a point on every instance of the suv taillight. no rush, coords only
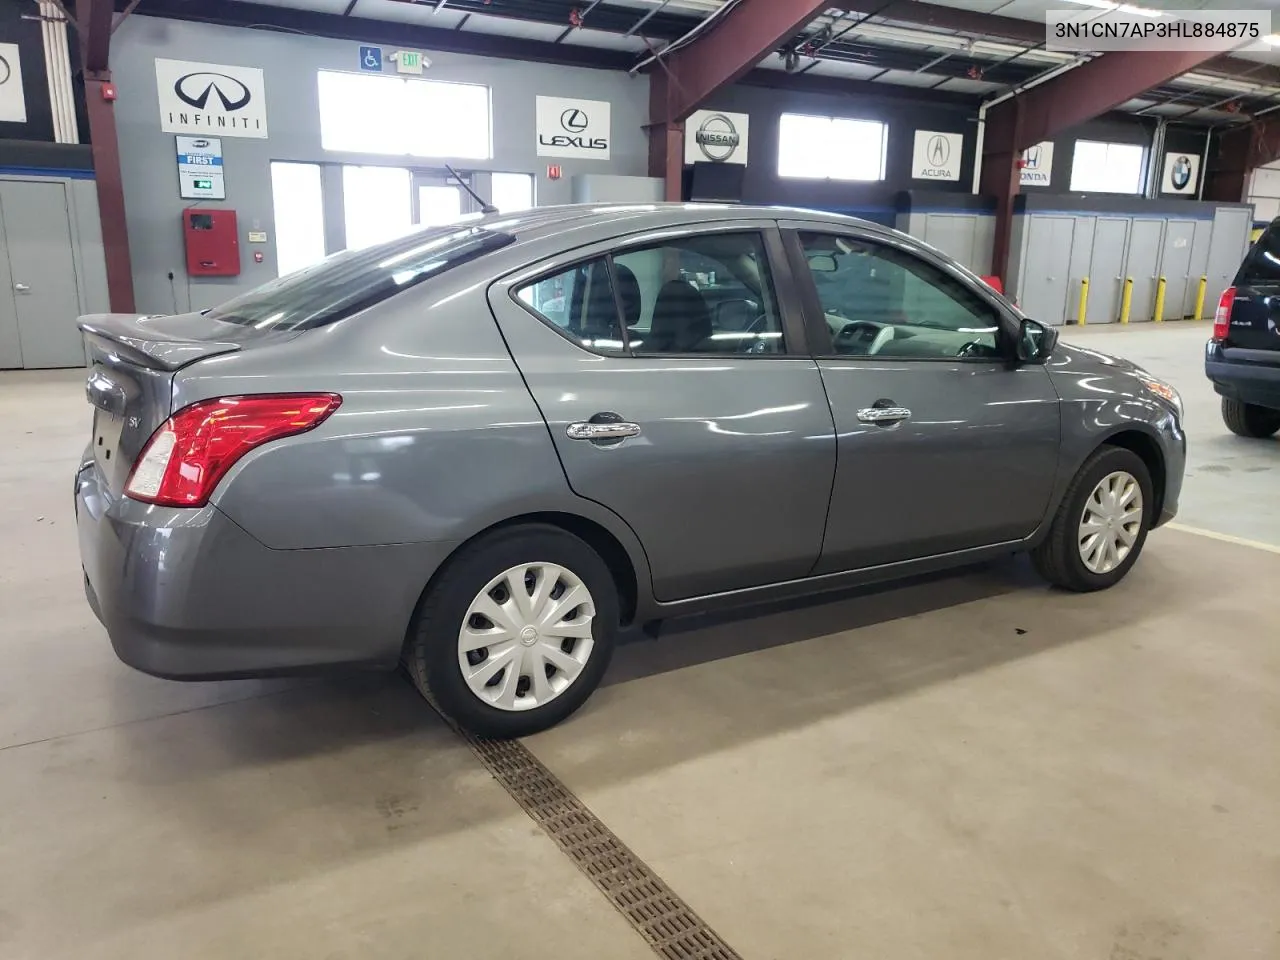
(1222, 318)
(191, 451)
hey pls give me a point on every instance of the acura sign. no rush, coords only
(572, 128)
(713, 136)
(936, 156)
(210, 98)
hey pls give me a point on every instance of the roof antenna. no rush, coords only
(484, 206)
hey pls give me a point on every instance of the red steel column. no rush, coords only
(1001, 178)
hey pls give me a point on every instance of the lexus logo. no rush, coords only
(574, 120)
(195, 89)
(717, 138)
(939, 151)
(5, 71)
(1180, 175)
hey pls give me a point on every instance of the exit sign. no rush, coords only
(410, 61)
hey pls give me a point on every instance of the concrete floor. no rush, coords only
(974, 766)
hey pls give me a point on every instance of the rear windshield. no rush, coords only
(355, 279)
(1262, 265)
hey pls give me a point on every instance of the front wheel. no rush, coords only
(1101, 525)
(517, 632)
(1249, 420)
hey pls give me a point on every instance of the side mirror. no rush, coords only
(1035, 342)
(823, 263)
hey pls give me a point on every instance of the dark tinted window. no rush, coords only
(355, 279)
(1262, 265)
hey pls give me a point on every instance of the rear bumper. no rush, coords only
(1251, 382)
(187, 594)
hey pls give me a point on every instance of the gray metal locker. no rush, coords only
(1227, 246)
(1199, 267)
(1106, 278)
(1141, 264)
(953, 234)
(1046, 281)
(1175, 266)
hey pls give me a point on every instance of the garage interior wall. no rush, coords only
(290, 64)
(1264, 193)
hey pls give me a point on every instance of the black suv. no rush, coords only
(1243, 358)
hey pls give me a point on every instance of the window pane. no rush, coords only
(884, 302)
(802, 146)
(710, 293)
(1107, 167)
(369, 113)
(362, 113)
(376, 204)
(579, 302)
(512, 192)
(438, 205)
(298, 204)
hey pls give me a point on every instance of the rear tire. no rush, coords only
(1249, 420)
(1068, 557)
(485, 672)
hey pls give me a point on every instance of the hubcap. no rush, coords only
(526, 636)
(1111, 522)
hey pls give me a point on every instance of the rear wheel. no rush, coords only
(1249, 420)
(1101, 524)
(517, 632)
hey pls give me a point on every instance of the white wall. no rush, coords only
(1264, 192)
(290, 64)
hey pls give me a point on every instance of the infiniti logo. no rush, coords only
(5, 71)
(194, 89)
(574, 120)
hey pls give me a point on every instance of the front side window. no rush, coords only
(879, 301)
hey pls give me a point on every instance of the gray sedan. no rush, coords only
(480, 450)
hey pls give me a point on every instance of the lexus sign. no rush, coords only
(572, 128)
(936, 156)
(210, 98)
(713, 136)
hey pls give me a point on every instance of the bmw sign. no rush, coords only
(210, 98)
(1181, 173)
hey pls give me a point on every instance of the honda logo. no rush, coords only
(195, 89)
(1031, 156)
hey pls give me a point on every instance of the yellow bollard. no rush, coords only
(1084, 301)
(1126, 299)
(1204, 282)
(1159, 316)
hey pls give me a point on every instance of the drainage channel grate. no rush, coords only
(657, 913)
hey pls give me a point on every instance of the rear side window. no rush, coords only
(1262, 265)
(580, 302)
(356, 279)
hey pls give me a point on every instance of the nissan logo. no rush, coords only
(939, 151)
(717, 138)
(194, 90)
(574, 120)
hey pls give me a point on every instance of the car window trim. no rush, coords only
(790, 305)
(820, 339)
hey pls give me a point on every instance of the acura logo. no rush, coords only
(574, 120)
(1180, 175)
(194, 89)
(5, 71)
(939, 151)
(717, 138)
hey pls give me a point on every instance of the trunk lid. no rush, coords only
(1255, 314)
(132, 363)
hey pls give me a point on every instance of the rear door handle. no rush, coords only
(602, 431)
(884, 415)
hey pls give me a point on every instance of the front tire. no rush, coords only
(1101, 524)
(516, 633)
(1249, 420)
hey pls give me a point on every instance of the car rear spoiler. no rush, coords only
(155, 341)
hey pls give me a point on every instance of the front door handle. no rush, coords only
(619, 430)
(21, 288)
(884, 416)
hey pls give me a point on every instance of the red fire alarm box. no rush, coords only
(213, 244)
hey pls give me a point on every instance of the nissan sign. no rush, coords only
(716, 137)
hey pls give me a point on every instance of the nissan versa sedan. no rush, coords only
(482, 449)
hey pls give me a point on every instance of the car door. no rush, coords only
(710, 437)
(944, 442)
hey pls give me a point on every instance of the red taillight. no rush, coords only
(192, 450)
(1222, 318)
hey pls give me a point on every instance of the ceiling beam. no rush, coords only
(1088, 91)
(1235, 153)
(726, 51)
(93, 23)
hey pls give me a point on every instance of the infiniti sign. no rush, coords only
(211, 98)
(195, 88)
